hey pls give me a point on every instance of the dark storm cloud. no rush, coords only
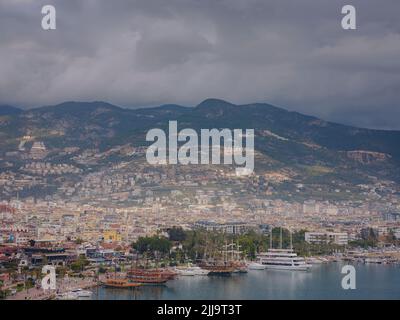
(293, 54)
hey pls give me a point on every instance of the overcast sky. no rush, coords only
(289, 53)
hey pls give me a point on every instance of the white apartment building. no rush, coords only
(339, 238)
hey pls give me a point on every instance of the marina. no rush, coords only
(322, 282)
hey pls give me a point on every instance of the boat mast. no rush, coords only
(238, 252)
(291, 240)
(280, 238)
(270, 238)
(225, 252)
(205, 248)
(131, 264)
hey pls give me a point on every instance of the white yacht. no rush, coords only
(76, 294)
(184, 272)
(313, 260)
(199, 271)
(282, 259)
(191, 271)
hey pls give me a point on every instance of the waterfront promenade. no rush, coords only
(64, 285)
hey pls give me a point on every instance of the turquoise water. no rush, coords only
(322, 282)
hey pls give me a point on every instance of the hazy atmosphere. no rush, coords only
(190, 152)
(143, 53)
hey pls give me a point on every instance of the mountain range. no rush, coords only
(310, 147)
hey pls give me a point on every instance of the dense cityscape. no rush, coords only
(101, 216)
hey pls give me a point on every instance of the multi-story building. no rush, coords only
(229, 227)
(339, 238)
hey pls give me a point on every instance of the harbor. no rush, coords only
(155, 267)
(269, 277)
(323, 281)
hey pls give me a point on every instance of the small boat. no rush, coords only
(191, 271)
(256, 266)
(374, 260)
(67, 296)
(313, 260)
(323, 260)
(199, 271)
(185, 272)
(82, 293)
(240, 267)
(120, 283)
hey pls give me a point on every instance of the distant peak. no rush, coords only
(86, 104)
(214, 103)
(171, 107)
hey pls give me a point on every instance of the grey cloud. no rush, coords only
(148, 52)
